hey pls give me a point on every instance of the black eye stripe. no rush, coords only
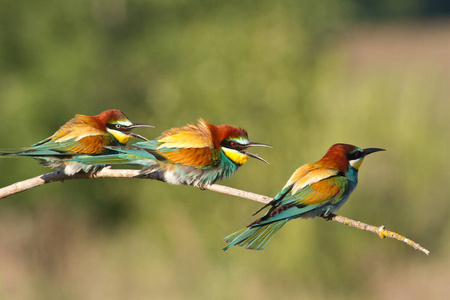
(354, 155)
(117, 126)
(231, 144)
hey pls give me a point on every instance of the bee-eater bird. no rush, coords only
(196, 154)
(82, 135)
(315, 189)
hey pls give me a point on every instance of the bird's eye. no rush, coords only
(118, 126)
(233, 144)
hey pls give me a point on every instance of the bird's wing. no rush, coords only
(92, 144)
(79, 135)
(303, 176)
(160, 150)
(319, 187)
(50, 147)
(329, 190)
(120, 155)
(190, 136)
(86, 144)
(309, 174)
(307, 200)
(190, 145)
(106, 159)
(196, 157)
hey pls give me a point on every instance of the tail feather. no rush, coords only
(28, 152)
(254, 237)
(132, 151)
(265, 236)
(107, 159)
(122, 155)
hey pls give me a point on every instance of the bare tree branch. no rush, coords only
(27, 184)
(381, 231)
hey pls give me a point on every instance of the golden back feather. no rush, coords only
(196, 157)
(324, 191)
(85, 135)
(189, 136)
(309, 174)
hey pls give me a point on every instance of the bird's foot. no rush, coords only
(94, 171)
(202, 186)
(60, 172)
(107, 167)
(327, 216)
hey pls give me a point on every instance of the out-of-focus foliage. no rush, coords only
(413, 9)
(299, 75)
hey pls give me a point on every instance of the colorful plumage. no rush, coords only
(82, 135)
(315, 189)
(196, 154)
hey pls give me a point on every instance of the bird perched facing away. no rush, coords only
(196, 154)
(82, 135)
(315, 189)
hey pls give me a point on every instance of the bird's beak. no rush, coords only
(367, 151)
(254, 155)
(140, 125)
(138, 136)
(257, 145)
(135, 125)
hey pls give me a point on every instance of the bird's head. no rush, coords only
(345, 155)
(119, 126)
(233, 141)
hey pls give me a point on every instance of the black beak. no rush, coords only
(367, 151)
(138, 136)
(254, 155)
(135, 125)
(257, 145)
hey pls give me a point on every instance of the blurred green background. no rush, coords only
(299, 75)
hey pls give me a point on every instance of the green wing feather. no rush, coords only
(307, 200)
(45, 147)
(119, 155)
(311, 201)
(90, 144)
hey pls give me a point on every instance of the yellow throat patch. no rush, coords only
(356, 163)
(119, 136)
(235, 156)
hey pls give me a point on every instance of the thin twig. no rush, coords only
(116, 173)
(238, 193)
(380, 231)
